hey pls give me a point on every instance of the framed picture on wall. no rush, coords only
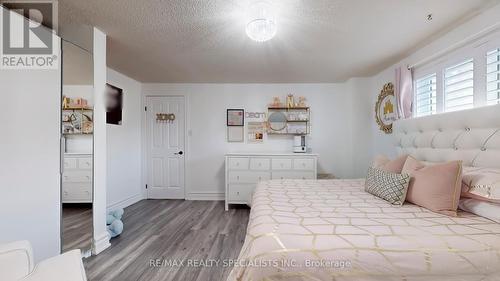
(114, 105)
(235, 117)
(255, 132)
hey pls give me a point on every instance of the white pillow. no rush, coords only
(481, 208)
(481, 183)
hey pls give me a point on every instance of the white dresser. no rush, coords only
(77, 178)
(245, 170)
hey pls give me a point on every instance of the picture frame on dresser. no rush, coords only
(245, 170)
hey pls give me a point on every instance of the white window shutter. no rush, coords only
(459, 86)
(425, 96)
(493, 77)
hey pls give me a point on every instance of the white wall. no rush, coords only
(362, 118)
(80, 91)
(101, 236)
(331, 133)
(482, 23)
(30, 158)
(124, 185)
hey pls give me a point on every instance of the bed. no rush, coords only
(334, 230)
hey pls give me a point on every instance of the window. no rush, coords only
(493, 77)
(425, 96)
(462, 78)
(459, 86)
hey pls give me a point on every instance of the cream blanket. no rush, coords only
(333, 230)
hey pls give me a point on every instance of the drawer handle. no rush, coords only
(238, 192)
(238, 177)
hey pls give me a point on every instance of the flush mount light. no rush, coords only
(261, 24)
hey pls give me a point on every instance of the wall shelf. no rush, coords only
(77, 121)
(296, 120)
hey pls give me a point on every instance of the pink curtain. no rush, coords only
(404, 92)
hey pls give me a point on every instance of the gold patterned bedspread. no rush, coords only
(333, 230)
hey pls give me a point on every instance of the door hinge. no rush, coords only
(146, 186)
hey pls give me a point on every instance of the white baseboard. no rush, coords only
(125, 203)
(206, 196)
(100, 243)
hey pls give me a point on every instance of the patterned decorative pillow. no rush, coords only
(388, 186)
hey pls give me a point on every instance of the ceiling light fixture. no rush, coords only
(261, 24)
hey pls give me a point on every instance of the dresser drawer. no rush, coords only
(260, 164)
(76, 192)
(70, 163)
(293, 175)
(303, 164)
(85, 163)
(236, 163)
(282, 164)
(240, 193)
(77, 176)
(248, 177)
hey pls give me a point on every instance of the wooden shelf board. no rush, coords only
(294, 134)
(78, 108)
(76, 134)
(288, 108)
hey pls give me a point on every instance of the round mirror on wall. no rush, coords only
(277, 121)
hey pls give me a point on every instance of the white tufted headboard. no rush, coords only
(472, 136)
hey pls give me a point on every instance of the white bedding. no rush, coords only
(333, 230)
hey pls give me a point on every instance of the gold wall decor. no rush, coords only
(289, 101)
(385, 108)
(165, 117)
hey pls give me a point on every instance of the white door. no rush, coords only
(165, 148)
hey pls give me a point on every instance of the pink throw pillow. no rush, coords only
(435, 187)
(391, 166)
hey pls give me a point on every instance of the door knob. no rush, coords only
(179, 153)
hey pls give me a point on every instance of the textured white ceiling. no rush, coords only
(317, 40)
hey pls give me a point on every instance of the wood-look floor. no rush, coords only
(77, 227)
(171, 230)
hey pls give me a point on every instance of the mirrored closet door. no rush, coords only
(77, 125)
